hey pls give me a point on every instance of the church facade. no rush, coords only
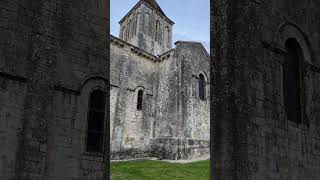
(160, 101)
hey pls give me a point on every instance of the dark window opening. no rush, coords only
(123, 33)
(292, 81)
(139, 100)
(136, 24)
(95, 129)
(168, 36)
(201, 87)
(130, 29)
(157, 30)
(147, 22)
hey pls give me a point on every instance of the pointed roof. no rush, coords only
(153, 4)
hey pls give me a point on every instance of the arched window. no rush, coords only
(139, 100)
(123, 32)
(157, 33)
(132, 22)
(147, 24)
(201, 87)
(130, 29)
(127, 32)
(95, 122)
(292, 78)
(135, 24)
(167, 38)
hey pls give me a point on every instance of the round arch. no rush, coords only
(89, 85)
(201, 71)
(93, 78)
(290, 30)
(136, 94)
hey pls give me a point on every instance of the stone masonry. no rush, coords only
(174, 121)
(55, 56)
(52, 52)
(252, 136)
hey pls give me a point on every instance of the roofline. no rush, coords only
(125, 42)
(138, 4)
(155, 58)
(193, 42)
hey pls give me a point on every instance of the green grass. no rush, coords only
(158, 170)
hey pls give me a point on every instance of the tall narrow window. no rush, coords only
(95, 129)
(157, 33)
(147, 24)
(139, 100)
(292, 78)
(123, 32)
(167, 37)
(127, 32)
(130, 29)
(201, 87)
(135, 24)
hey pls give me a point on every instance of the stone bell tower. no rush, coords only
(147, 27)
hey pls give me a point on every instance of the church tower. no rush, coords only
(147, 27)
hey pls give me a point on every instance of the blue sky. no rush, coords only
(191, 17)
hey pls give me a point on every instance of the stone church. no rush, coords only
(55, 89)
(159, 96)
(59, 69)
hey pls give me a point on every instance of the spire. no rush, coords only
(155, 5)
(151, 3)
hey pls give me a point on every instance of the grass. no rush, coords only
(159, 170)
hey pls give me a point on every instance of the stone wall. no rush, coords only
(131, 70)
(52, 52)
(173, 117)
(181, 114)
(252, 138)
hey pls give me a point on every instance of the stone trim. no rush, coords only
(72, 91)
(66, 90)
(139, 52)
(134, 49)
(131, 90)
(13, 77)
(273, 47)
(112, 85)
(134, 90)
(166, 55)
(121, 43)
(195, 76)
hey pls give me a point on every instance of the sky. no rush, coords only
(191, 17)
